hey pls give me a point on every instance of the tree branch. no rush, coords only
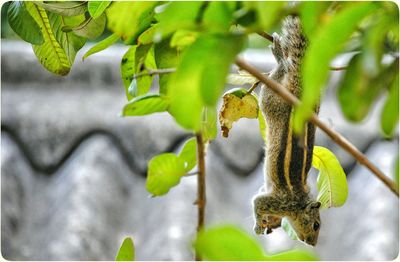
(338, 138)
(266, 36)
(201, 185)
(151, 72)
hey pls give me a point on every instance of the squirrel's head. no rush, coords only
(306, 223)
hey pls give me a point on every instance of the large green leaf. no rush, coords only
(228, 243)
(218, 16)
(145, 105)
(164, 172)
(327, 42)
(165, 57)
(177, 15)
(127, 251)
(50, 54)
(23, 24)
(390, 111)
(64, 8)
(70, 42)
(90, 28)
(130, 19)
(189, 154)
(97, 8)
(262, 124)
(360, 83)
(199, 82)
(231, 243)
(100, 46)
(183, 38)
(331, 182)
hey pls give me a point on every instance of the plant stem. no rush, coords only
(337, 68)
(338, 138)
(201, 185)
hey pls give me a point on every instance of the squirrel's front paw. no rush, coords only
(259, 230)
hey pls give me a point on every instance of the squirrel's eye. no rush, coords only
(316, 226)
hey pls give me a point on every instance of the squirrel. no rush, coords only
(288, 156)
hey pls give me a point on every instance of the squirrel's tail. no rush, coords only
(294, 41)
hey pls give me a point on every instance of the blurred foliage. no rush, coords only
(201, 40)
(232, 243)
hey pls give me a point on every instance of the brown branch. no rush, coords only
(201, 186)
(338, 138)
(266, 36)
(151, 72)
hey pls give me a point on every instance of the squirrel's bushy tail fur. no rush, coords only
(293, 40)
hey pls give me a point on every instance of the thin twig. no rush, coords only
(338, 138)
(201, 185)
(266, 36)
(151, 72)
(337, 68)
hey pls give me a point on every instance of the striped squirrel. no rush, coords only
(288, 157)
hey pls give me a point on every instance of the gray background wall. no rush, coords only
(73, 172)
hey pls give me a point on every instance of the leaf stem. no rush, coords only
(337, 68)
(201, 186)
(335, 136)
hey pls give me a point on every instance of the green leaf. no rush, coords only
(360, 83)
(231, 243)
(70, 42)
(331, 182)
(390, 111)
(285, 224)
(130, 19)
(145, 105)
(127, 251)
(165, 57)
(165, 172)
(312, 14)
(228, 243)
(218, 17)
(50, 54)
(96, 8)
(189, 154)
(23, 24)
(183, 38)
(64, 8)
(100, 46)
(198, 81)
(327, 43)
(177, 15)
(90, 28)
(209, 124)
